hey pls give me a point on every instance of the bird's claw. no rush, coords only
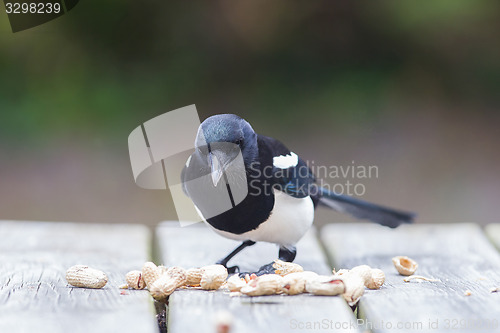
(243, 274)
(266, 269)
(233, 269)
(230, 270)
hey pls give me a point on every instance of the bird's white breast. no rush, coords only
(289, 221)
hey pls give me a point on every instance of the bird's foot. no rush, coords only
(266, 269)
(233, 269)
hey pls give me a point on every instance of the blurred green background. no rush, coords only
(411, 88)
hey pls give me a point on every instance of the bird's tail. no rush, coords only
(364, 210)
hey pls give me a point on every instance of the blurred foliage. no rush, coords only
(107, 66)
(408, 86)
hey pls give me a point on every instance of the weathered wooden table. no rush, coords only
(34, 295)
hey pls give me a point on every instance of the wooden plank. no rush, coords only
(34, 294)
(195, 310)
(459, 255)
(493, 233)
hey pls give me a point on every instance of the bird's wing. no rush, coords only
(290, 173)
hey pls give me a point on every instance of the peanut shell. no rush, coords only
(267, 284)
(404, 265)
(193, 276)
(86, 277)
(150, 273)
(235, 283)
(163, 287)
(177, 273)
(283, 268)
(377, 279)
(295, 283)
(325, 285)
(213, 277)
(354, 288)
(134, 280)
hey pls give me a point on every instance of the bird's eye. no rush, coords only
(239, 142)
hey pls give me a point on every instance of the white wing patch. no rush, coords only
(286, 161)
(188, 161)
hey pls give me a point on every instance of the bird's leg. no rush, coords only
(285, 254)
(225, 260)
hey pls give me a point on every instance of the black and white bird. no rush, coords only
(252, 188)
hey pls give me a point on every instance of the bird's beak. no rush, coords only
(217, 168)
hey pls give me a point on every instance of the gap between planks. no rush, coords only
(196, 310)
(34, 294)
(459, 255)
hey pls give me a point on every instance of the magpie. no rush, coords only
(252, 188)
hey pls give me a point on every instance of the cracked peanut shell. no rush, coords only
(404, 265)
(134, 280)
(235, 283)
(283, 268)
(377, 279)
(325, 285)
(354, 288)
(295, 283)
(267, 284)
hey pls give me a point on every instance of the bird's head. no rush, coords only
(221, 138)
